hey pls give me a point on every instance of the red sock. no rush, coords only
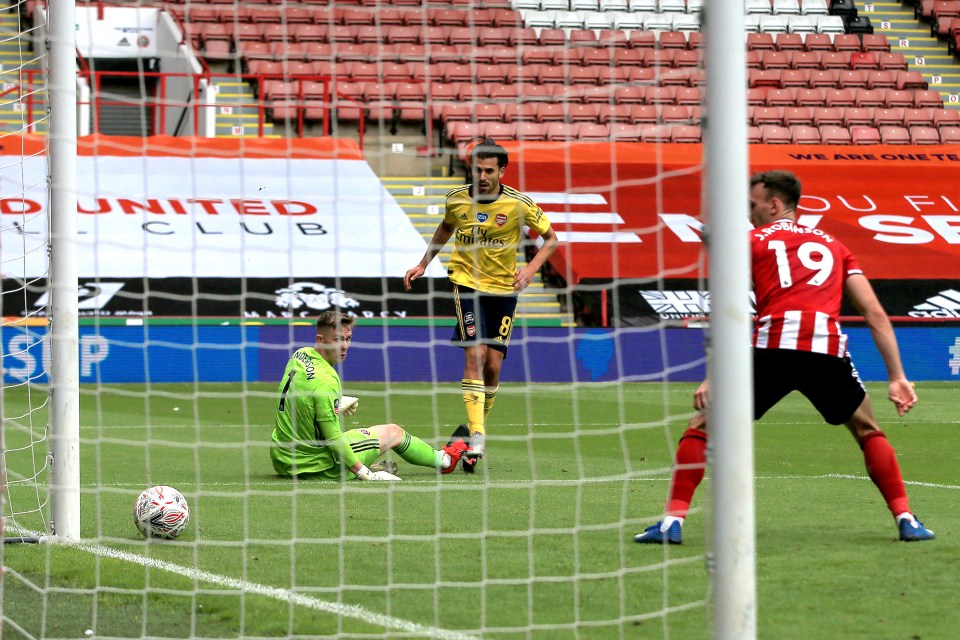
(883, 469)
(688, 471)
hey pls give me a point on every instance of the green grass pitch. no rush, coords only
(538, 545)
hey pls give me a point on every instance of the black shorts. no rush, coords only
(483, 318)
(830, 383)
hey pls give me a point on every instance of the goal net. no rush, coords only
(233, 186)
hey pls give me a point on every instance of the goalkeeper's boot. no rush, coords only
(472, 455)
(385, 465)
(653, 535)
(455, 447)
(913, 530)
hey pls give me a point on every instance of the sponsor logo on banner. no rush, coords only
(314, 296)
(481, 216)
(676, 305)
(946, 304)
(501, 219)
(91, 295)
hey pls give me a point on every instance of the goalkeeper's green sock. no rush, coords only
(416, 451)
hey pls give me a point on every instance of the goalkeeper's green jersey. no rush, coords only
(487, 235)
(307, 437)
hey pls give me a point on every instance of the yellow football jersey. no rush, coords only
(487, 235)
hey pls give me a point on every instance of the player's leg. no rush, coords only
(840, 397)
(414, 450)
(688, 470)
(495, 314)
(467, 335)
(691, 457)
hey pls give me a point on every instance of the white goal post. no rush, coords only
(725, 201)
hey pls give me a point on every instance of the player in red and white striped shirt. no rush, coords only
(800, 276)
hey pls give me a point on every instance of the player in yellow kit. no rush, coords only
(486, 219)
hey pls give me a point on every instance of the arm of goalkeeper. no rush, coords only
(349, 405)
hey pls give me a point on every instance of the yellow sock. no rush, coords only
(473, 398)
(489, 397)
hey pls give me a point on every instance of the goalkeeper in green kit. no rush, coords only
(308, 441)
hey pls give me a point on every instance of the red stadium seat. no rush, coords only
(655, 134)
(625, 132)
(643, 114)
(894, 135)
(500, 130)
(888, 117)
(561, 131)
(789, 42)
(760, 116)
(857, 117)
(793, 116)
(592, 132)
(846, 42)
(852, 79)
(946, 118)
(760, 42)
(924, 135)
(817, 42)
(892, 61)
(582, 112)
(862, 135)
(864, 60)
(753, 135)
(869, 98)
(686, 134)
(773, 134)
(832, 134)
(876, 42)
(827, 116)
(610, 113)
(918, 118)
(835, 60)
(910, 80)
(824, 78)
(881, 79)
(520, 112)
(896, 98)
(950, 135)
(795, 78)
(531, 131)
(927, 98)
(802, 134)
(551, 112)
(781, 97)
(840, 97)
(805, 59)
(811, 98)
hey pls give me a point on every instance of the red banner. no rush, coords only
(634, 210)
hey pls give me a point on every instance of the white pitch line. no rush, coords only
(663, 476)
(284, 595)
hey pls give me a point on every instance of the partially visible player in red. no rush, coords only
(800, 276)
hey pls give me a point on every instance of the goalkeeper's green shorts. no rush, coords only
(364, 443)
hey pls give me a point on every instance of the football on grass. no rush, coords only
(161, 512)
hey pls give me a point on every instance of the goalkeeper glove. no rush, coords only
(366, 475)
(349, 405)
